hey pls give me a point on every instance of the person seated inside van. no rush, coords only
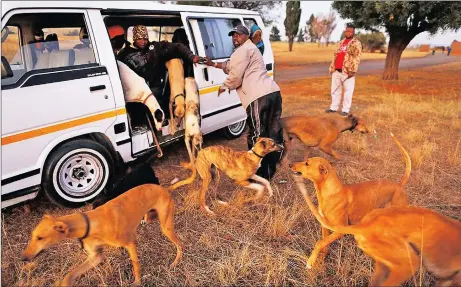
(148, 60)
(83, 52)
(37, 45)
(84, 39)
(51, 42)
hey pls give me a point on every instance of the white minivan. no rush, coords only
(65, 124)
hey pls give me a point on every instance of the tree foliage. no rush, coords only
(293, 15)
(275, 34)
(300, 37)
(263, 7)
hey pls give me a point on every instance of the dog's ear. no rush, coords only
(323, 169)
(355, 120)
(61, 227)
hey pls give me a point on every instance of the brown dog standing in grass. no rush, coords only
(238, 165)
(321, 131)
(113, 224)
(177, 104)
(348, 204)
(401, 239)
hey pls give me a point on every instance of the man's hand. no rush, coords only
(222, 89)
(209, 62)
(196, 59)
(350, 74)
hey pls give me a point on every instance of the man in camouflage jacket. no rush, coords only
(343, 68)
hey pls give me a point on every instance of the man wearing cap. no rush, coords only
(259, 94)
(148, 59)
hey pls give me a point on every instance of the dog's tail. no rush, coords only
(406, 175)
(348, 229)
(187, 181)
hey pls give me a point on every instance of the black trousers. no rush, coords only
(263, 120)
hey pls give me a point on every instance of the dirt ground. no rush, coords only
(267, 243)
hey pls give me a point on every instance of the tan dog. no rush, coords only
(176, 78)
(113, 224)
(238, 165)
(192, 119)
(348, 204)
(400, 239)
(321, 132)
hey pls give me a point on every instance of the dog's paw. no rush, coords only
(209, 211)
(223, 202)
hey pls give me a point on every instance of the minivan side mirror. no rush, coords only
(6, 69)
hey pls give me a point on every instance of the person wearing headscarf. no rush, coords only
(256, 35)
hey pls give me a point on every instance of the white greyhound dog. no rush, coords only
(136, 89)
(192, 119)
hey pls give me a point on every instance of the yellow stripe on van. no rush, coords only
(216, 88)
(61, 126)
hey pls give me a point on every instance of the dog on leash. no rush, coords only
(318, 131)
(192, 119)
(141, 174)
(348, 204)
(177, 99)
(136, 89)
(113, 224)
(238, 165)
(399, 239)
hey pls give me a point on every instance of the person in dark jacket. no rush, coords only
(148, 59)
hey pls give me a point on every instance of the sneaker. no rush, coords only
(329, 111)
(344, 114)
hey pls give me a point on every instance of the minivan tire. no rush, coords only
(235, 130)
(76, 172)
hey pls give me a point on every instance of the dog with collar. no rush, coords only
(318, 131)
(192, 119)
(347, 204)
(136, 89)
(400, 239)
(177, 99)
(113, 224)
(240, 166)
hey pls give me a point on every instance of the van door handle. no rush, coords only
(97, 88)
(205, 73)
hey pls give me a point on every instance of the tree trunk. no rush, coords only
(290, 43)
(394, 53)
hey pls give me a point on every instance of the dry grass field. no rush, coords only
(267, 243)
(307, 53)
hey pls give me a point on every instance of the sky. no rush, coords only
(315, 7)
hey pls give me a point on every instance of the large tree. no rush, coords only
(265, 8)
(300, 36)
(293, 15)
(402, 20)
(275, 34)
(330, 25)
(310, 29)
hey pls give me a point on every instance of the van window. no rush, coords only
(48, 40)
(214, 31)
(11, 45)
(249, 22)
(157, 34)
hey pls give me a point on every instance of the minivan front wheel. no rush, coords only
(76, 173)
(235, 130)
